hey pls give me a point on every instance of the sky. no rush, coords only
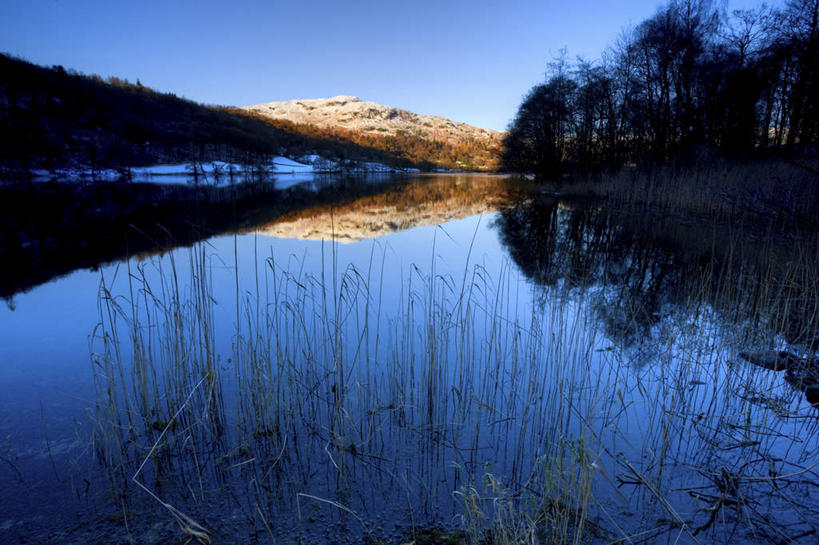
(468, 61)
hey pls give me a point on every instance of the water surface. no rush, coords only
(441, 352)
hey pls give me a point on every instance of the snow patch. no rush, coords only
(284, 171)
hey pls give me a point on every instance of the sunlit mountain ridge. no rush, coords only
(434, 139)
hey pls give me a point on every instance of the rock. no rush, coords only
(812, 394)
(772, 359)
(801, 373)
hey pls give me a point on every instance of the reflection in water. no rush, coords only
(50, 230)
(367, 405)
(692, 306)
(424, 201)
(647, 265)
(275, 390)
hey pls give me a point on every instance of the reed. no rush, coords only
(778, 192)
(528, 414)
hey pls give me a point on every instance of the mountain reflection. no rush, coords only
(422, 201)
(50, 231)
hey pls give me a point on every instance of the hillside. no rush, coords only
(54, 118)
(416, 137)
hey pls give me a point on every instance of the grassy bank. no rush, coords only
(777, 192)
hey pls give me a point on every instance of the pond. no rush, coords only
(448, 352)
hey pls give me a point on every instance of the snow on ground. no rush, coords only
(277, 165)
(285, 171)
(76, 175)
(284, 164)
(219, 167)
(160, 170)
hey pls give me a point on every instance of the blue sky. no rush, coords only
(469, 61)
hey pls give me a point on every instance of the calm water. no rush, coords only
(437, 355)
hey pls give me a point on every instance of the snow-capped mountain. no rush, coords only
(373, 120)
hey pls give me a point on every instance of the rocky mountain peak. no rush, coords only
(365, 117)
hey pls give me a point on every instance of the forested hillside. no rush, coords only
(53, 117)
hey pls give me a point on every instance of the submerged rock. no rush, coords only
(772, 359)
(802, 373)
(812, 394)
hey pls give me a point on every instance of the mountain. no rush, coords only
(416, 137)
(54, 118)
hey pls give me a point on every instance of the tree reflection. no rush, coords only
(641, 269)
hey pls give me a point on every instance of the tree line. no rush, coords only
(689, 79)
(52, 117)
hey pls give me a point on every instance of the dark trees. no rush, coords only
(800, 36)
(688, 78)
(537, 140)
(50, 117)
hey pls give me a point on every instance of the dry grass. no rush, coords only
(472, 394)
(774, 191)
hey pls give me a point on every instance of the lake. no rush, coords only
(458, 354)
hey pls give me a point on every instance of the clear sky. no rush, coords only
(469, 61)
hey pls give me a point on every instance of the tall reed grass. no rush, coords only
(470, 400)
(777, 192)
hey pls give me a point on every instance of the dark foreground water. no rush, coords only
(441, 354)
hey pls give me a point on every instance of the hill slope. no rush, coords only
(52, 118)
(413, 136)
